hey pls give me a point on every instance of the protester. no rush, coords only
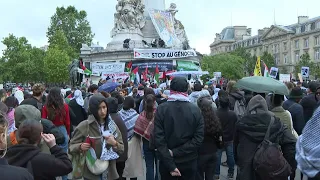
(178, 133)
(26, 154)
(250, 132)
(93, 89)
(36, 99)
(11, 102)
(3, 95)
(57, 111)
(77, 106)
(309, 102)
(147, 91)
(212, 139)
(228, 120)
(295, 109)
(97, 126)
(9, 172)
(308, 149)
(197, 88)
(143, 127)
(234, 94)
(119, 98)
(283, 115)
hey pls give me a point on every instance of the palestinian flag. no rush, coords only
(156, 75)
(134, 73)
(128, 67)
(85, 70)
(266, 70)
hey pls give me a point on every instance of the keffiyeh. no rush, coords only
(77, 95)
(308, 147)
(178, 96)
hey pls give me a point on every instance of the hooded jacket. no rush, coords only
(236, 96)
(250, 132)
(91, 128)
(11, 172)
(43, 166)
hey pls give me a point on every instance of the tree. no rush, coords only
(56, 64)
(268, 59)
(60, 41)
(231, 66)
(74, 25)
(37, 57)
(250, 61)
(16, 60)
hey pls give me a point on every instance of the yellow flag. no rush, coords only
(257, 69)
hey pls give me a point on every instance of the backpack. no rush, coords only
(268, 161)
(239, 108)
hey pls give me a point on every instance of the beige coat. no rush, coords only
(79, 137)
(134, 163)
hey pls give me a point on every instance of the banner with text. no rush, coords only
(163, 22)
(114, 76)
(163, 53)
(110, 68)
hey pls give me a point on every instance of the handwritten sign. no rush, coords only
(98, 68)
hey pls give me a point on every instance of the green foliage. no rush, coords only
(56, 64)
(249, 61)
(60, 41)
(73, 24)
(231, 66)
(268, 59)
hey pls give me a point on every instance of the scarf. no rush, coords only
(129, 118)
(77, 95)
(108, 153)
(308, 147)
(178, 96)
(144, 126)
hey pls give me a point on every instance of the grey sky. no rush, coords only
(201, 18)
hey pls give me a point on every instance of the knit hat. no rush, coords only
(296, 93)
(179, 84)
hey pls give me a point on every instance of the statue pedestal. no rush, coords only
(118, 38)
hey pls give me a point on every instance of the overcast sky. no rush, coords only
(201, 18)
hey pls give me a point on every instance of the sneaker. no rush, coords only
(216, 177)
(230, 176)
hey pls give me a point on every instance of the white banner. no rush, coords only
(162, 53)
(284, 77)
(114, 76)
(110, 68)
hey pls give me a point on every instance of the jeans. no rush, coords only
(230, 158)
(150, 158)
(206, 166)
(64, 146)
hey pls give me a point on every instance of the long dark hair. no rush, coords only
(149, 106)
(147, 91)
(211, 120)
(11, 102)
(29, 132)
(55, 104)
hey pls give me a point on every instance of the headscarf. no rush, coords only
(19, 95)
(77, 95)
(216, 91)
(308, 147)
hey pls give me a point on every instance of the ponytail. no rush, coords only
(149, 106)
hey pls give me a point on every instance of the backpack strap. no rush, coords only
(266, 137)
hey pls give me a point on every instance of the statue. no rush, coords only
(178, 27)
(128, 16)
(73, 70)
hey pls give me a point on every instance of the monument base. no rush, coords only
(119, 37)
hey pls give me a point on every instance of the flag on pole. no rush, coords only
(257, 69)
(85, 69)
(266, 70)
(156, 75)
(145, 74)
(135, 75)
(128, 67)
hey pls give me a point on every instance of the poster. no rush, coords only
(187, 66)
(163, 66)
(217, 74)
(162, 53)
(163, 23)
(284, 77)
(111, 68)
(305, 72)
(114, 76)
(274, 72)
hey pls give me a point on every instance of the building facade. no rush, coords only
(285, 43)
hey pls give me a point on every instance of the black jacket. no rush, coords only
(179, 127)
(79, 113)
(250, 132)
(45, 166)
(309, 104)
(228, 121)
(12, 172)
(296, 111)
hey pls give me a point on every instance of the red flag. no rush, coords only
(135, 70)
(145, 74)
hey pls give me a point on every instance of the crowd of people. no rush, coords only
(180, 131)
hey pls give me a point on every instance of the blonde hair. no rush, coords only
(3, 133)
(230, 87)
